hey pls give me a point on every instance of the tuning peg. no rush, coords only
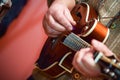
(118, 64)
(112, 74)
(106, 70)
(114, 60)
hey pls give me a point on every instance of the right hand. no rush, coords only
(58, 19)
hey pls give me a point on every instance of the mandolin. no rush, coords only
(57, 54)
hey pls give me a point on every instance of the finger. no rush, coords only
(49, 31)
(54, 24)
(77, 67)
(52, 31)
(90, 64)
(63, 21)
(101, 47)
(86, 60)
(69, 17)
(79, 61)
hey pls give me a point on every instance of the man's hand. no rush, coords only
(58, 19)
(83, 60)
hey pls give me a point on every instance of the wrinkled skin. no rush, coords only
(58, 20)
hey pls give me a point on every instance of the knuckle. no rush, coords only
(49, 31)
(78, 58)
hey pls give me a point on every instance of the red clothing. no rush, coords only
(20, 47)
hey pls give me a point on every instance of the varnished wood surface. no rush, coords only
(113, 43)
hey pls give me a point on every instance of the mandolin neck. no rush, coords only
(109, 66)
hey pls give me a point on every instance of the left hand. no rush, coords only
(84, 62)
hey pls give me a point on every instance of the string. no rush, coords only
(110, 17)
(75, 42)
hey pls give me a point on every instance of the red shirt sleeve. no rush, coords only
(20, 47)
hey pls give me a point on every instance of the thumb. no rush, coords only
(99, 46)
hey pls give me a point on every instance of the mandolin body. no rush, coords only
(56, 58)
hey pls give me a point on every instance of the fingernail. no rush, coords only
(94, 41)
(74, 23)
(70, 28)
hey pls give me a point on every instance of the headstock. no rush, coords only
(110, 66)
